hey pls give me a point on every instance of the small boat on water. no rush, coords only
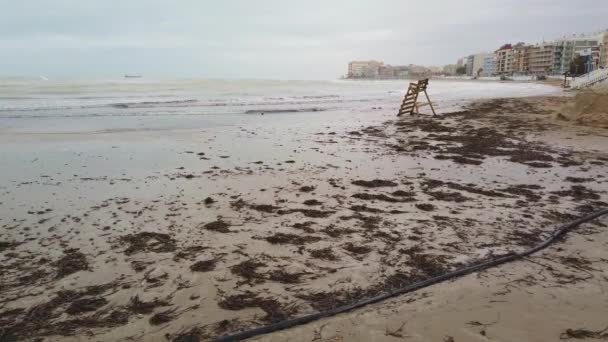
(132, 76)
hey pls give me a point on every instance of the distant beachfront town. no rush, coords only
(574, 55)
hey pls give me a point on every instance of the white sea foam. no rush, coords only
(22, 97)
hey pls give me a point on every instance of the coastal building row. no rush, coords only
(547, 58)
(480, 64)
(378, 70)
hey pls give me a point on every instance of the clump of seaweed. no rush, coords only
(204, 265)
(73, 261)
(148, 242)
(274, 310)
(324, 254)
(293, 239)
(218, 226)
(376, 183)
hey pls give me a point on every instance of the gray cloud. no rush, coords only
(268, 38)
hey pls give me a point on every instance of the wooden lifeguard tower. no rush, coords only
(410, 101)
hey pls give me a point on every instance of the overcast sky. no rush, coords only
(284, 39)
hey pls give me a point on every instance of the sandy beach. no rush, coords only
(121, 221)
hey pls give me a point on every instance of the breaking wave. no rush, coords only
(286, 110)
(144, 104)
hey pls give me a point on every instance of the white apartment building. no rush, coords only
(504, 60)
(364, 69)
(482, 64)
(604, 50)
(542, 59)
(566, 50)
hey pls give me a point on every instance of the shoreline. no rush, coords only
(328, 216)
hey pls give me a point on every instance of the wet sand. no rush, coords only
(240, 228)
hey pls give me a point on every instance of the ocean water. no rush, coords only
(36, 105)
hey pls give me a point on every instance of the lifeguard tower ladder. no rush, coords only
(410, 101)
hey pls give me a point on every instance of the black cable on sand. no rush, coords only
(475, 267)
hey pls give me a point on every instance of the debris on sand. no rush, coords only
(524, 190)
(376, 183)
(185, 175)
(6, 245)
(477, 143)
(220, 328)
(189, 253)
(305, 226)
(156, 275)
(139, 265)
(323, 301)
(293, 239)
(307, 188)
(238, 204)
(41, 320)
(73, 261)
(425, 206)
(526, 156)
(459, 159)
(365, 209)
(473, 145)
(204, 266)
(207, 332)
(248, 270)
(195, 334)
(430, 183)
(398, 280)
(218, 226)
(85, 305)
(323, 254)
(579, 263)
(70, 327)
(527, 238)
(556, 216)
(274, 310)
(471, 188)
(582, 334)
(448, 196)
(138, 306)
(209, 201)
(162, 317)
(312, 202)
(307, 212)
(380, 197)
(265, 208)
(350, 247)
(396, 333)
(579, 193)
(284, 277)
(578, 179)
(336, 232)
(426, 265)
(368, 222)
(401, 193)
(539, 165)
(148, 242)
